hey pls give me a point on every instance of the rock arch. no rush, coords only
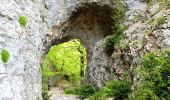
(90, 23)
(88, 20)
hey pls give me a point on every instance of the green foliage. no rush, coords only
(154, 70)
(45, 95)
(5, 55)
(164, 4)
(157, 22)
(148, 1)
(119, 89)
(98, 96)
(72, 90)
(118, 17)
(161, 20)
(112, 40)
(154, 23)
(87, 90)
(22, 21)
(84, 91)
(118, 28)
(64, 59)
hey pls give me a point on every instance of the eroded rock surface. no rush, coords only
(20, 78)
(51, 22)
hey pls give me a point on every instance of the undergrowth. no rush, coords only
(154, 70)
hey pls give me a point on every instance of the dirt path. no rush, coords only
(57, 94)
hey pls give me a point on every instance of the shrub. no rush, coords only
(45, 95)
(87, 90)
(118, 89)
(72, 90)
(5, 55)
(101, 95)
(22, 21)
(111, 41)
(83, 91)
(154, 70)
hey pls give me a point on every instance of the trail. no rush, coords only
(57, 94)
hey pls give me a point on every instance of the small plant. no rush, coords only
(45, 95)
(5, 55)
(111, 41)
(161, 20)
(148, 1)
(101, 95)
(22, 21)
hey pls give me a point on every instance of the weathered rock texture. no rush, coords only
(143, 36)
(89, 21)
(20, 78)
(51, 22)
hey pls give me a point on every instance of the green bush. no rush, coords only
(72, 90)
(154, 70)
(101, 95)
(83, 91)
(87, 90)
(45, 95)
(118, 89)
(74, 79)
(22, 21)
(5, 55)
(111, 41)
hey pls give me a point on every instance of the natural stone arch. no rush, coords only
(90, 23)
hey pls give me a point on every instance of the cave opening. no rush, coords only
(64, 65)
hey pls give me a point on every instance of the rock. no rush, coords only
(51, 22)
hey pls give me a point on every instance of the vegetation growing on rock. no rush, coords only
(154, 70)
(5, 55)
(117, 28)
(23, 21)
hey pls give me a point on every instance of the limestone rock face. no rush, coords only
(143, 36)
(51, 22)
(20, 77)
(90, 21)
(100, 70)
